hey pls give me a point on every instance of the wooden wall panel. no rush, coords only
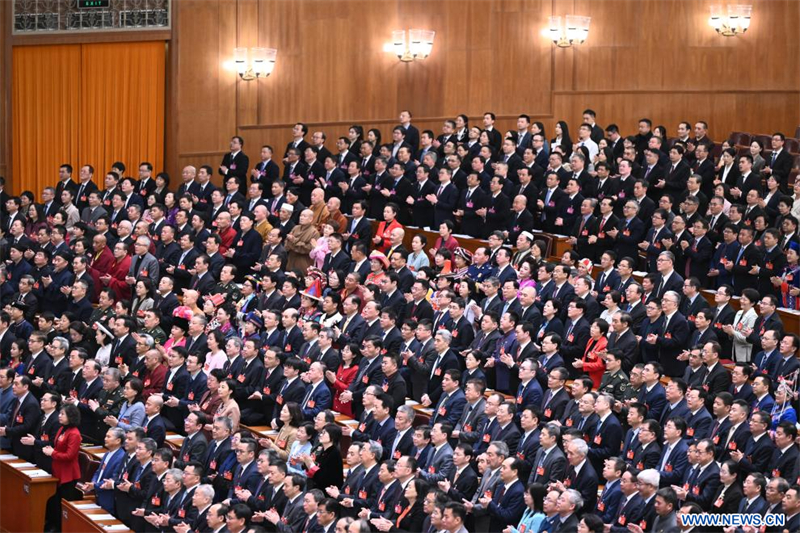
(5, 81)
(656, 59)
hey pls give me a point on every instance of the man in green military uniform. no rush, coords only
(614, 380)
(105, 307)
(226, 287)
(631, 391)
(108, 403)
(152, 326)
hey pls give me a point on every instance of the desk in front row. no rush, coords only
(23, 498)
(76, 518)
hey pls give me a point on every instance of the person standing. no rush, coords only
(64, 454)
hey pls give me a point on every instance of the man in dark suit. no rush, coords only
(607, 439)
(784, 458)
(584, 480)
(652, 393)
(703, 485)
(743, 266)
(652, 243)
(463, 483)
(195, 445)
(246, 474)
(506, 503)
(673, 462)
(235, 163)
(674, 336)
(153, 425)
(549, 465)
(779, 163)
(445, 199)
(757, 453)
(677, 174)
(576, 334)
(699, 421)
(556, 397)
(265, 171)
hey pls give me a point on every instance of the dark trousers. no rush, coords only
(52, 517)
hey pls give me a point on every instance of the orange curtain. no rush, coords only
(45, 114)
(122, 105)
(86, 104)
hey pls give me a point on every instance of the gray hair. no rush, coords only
(118, 433)
(672, 294)
(408, 411)
(634, 205)
(554, 430)
(376, 449)
(574, 497)
(669, 255)
(580, 447)
(650, 476)
(148, 340)
(113, 373)
(502, 447)
(176, 474)
(226, 422)
(63, 343)
(446, 336)
(207, 491)
(607, 397)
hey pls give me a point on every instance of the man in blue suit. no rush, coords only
(154, 426)
(452, 402)
(673, 461)
(703, 486)
(699, 420)
(631, 505)
(676, 401)
(529, 391)
(581, 476)
(506, 502)
(383, 430)
(763, 399)
(757, 454)
(109, 469)
(611, 497)
(607, 440)
(318, 395)
(196, 386)
(246, 475)
(652, 393)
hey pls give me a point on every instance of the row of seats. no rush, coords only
(742, 138)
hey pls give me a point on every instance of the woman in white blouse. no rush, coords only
(742, 326)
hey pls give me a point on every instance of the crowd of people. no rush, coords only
(402, 385)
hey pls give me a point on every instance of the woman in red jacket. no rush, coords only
(65, 464)
(344, 375)
(382, 239)
(593, 363)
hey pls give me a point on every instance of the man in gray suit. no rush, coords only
(495, 455)
(550, 463)
(293, 516)
(95, 210)
(440, 460)
(666, 518)
(143, 263)
(466, 430)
